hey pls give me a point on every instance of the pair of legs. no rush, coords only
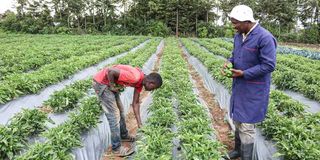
(113, 109)
(244, 140)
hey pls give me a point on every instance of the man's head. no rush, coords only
(242, 18)
(152, 81)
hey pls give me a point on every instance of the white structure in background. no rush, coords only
(7, 5)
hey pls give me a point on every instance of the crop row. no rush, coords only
(57, 145)
(287, 50)
(294, 61)
(287, 123)
(292, 72)
(35, 58)
(156, 135)
(25, 83)
(14, 136)
(304, 53)
(60, 140)
(67, 98)
(297, 63)
(295, 131)
(22, 46)
(193, 127)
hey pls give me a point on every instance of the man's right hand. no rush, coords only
(113, 89)
(224, 67)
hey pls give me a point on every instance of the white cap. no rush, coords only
(242, 13)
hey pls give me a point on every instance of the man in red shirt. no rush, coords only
(107, 83)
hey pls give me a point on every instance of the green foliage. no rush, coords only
(229, 31)
(143, 17)
(157, 28)
(294, 131)
(210, 30)
(61, 139)
(203, 32)
(311, 34)
(17, 84)
(176, 94)
(293, 72)
(62, 30)
(13, 138)
(68, 98)
(10, 22)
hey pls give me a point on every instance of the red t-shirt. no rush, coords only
(129, 76)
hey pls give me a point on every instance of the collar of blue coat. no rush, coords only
(253, 32)
(256, 28)
(253, 27)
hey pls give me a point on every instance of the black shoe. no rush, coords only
(246, 151)
(234, 154)
(237, 146)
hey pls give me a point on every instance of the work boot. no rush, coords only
(246, 151)
(237, 146)
(123, 151)
(128, 138)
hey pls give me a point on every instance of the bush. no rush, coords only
(47, 30)
(10, 22)
(203, 32)
(290, 37)
(63, 30)
(209, 30)
(157, 28)
(229, 32)
(311, 34)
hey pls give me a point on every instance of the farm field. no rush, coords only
(185, 119)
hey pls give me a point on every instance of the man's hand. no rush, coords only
(136, 110)
(224, 67)
(113, 88)
(237, 73)
(139, 125)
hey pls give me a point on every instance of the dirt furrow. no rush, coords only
(220, 125)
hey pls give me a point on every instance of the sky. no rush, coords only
(6, 4)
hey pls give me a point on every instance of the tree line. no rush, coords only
(202, 18)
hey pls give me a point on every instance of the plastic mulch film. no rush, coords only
(176, 149)
(9, 109)
(263, 149)
(97, 140)
(93, 141)
(312, 105)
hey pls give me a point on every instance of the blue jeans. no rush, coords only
(113, 109)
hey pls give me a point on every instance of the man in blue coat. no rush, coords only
(253, 59)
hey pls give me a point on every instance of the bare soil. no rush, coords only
(46, 109)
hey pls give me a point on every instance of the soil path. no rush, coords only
(220, 125)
